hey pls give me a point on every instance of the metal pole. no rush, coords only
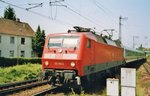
(133, 42)
(120, 24)
(134, 37)
(146, 44)
(120, 28)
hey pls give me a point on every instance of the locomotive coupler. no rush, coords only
(78, 80)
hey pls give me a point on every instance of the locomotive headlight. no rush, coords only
(46, 63)
(60, 50)
(72, 64)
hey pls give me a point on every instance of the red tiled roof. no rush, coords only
(15, 28)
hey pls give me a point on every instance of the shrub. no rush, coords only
(5, 62)
(31, 76)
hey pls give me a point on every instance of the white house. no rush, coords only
(15, 39)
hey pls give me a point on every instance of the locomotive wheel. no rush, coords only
(77, 89)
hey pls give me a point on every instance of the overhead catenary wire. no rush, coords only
(37, 5)
(24, 9)
(89, 17)
(36, 13)
(48, 17)
(102, 8)
(86, 18)
(97, 4)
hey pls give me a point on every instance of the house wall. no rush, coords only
(6, 46)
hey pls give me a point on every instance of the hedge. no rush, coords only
(5, 62)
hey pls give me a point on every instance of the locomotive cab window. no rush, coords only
(71, 42)
(88, 43)
(63, 41)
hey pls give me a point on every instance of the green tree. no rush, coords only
(9, 13)
(38, 41)
(43, 38)
(141, 47)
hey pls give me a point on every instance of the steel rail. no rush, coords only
(23, 87)
(147, 67)
(17, 83)
(47, 91)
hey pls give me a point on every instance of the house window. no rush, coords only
(11, 53)
(0, 53)
(12, 40)
(0, 39)
(22, 54)
(22, 40)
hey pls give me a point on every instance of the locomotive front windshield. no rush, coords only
(63, 41)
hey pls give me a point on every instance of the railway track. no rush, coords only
(47, 91)
(147, 67)
(54, 90)
(19, 86)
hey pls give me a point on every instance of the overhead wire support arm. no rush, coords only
(56, 1)
(59, 5)
(53, 3)
(25, 9)
(33, 12)
(37, 5)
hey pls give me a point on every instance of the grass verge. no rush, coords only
(139, 88)
(19, 73)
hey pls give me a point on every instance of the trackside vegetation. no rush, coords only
(6, 62)
(139, 89)
(19, 73)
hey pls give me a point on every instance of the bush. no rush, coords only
(5, 62)
(30, 76)
(20, 73)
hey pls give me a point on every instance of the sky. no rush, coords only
(95, 14)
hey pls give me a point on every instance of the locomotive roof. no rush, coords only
(88, 32)
(106, 40)
(93, 36)
(99, 38)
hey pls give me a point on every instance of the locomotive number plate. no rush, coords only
(59, 63)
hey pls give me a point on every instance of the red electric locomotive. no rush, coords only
(71, 57)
